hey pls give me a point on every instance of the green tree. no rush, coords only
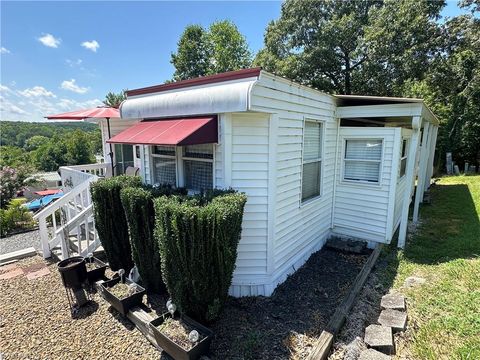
(79, 150)
(222, 48)
(12, 156)
(114, 99)
(50, 156)
(35, 142)
(318, 43)
(228, 48)
(192, 57)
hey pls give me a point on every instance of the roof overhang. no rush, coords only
(353, 106)
(172, 132)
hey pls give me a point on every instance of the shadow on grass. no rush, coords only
(450, 228)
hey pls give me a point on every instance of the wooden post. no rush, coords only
(426, 138)
(410, 179)
(431, 157)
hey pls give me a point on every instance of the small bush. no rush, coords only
(110, 220)
(198, 238)
(140, 215)
(15, 217)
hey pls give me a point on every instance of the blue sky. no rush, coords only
(62, 56)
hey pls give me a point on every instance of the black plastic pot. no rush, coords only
(125, 304)
(73, 272)
(98, 273)
(175, 350)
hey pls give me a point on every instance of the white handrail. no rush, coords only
(74, 209)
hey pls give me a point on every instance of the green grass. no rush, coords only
(444, 314)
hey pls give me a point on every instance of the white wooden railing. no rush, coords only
(72, 176)
(68, 223)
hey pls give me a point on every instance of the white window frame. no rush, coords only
(179, 158)
(407, 144)
(322, 123)
(380, 170)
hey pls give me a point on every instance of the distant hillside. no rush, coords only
(15, 133)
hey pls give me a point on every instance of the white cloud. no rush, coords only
(5, 89)
(73, 63)
(9, 109)
(50, 40)
(37, 91)
(4, 50)
(70, 85)
(91, 45)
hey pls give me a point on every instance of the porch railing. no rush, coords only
(67, 226)
(72, 176)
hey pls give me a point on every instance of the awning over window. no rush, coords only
(184, 131)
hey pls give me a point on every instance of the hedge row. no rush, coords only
(140, 215)
(198, 239)
(110, 220)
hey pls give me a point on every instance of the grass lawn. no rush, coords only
(444, 313)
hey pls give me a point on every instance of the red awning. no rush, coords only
(185, 131)
(98, 112)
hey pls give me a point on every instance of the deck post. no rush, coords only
(431, 158)
(426, 139)
(410, 179)
(42, 225)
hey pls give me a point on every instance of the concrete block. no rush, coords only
(412, 281)
(36, 274)
(393, 301)
(371, 354)
(11, 274)
(380, 338)
(395, 319)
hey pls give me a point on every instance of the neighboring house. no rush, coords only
(42, 181)
(312, 165)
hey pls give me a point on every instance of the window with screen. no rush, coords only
(362, 160)
(198, 166)
(164, 165)
(403, 158)
(312, 160)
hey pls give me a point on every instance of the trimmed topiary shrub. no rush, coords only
(198, 238)
(140, 215)
(110, 220)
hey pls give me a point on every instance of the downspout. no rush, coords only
(110, 145)
(335, 173)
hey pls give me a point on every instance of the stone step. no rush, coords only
(394, 301)
(395, 319)
(371, 354)
(380, 338)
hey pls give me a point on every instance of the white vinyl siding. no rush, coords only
(362, 160)
(249, 174)
(361, 207)
(312, 160)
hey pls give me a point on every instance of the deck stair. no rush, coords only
(67, 226)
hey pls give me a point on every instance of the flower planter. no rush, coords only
(122, 305)
(96, 273)
(175, 350)
(73, 272)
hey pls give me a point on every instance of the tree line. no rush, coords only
(45, 147)
(367, 47)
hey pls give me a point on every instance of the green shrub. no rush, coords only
(15, 217)
(110, 220)
(198, 238)
(140, 215)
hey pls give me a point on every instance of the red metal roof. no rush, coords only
(48, 192)
(210, 79)
(182, 131)
(97, 112)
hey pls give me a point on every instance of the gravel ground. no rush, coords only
(20, 241)
(286, 325)
(35, 320)
(35, 323)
